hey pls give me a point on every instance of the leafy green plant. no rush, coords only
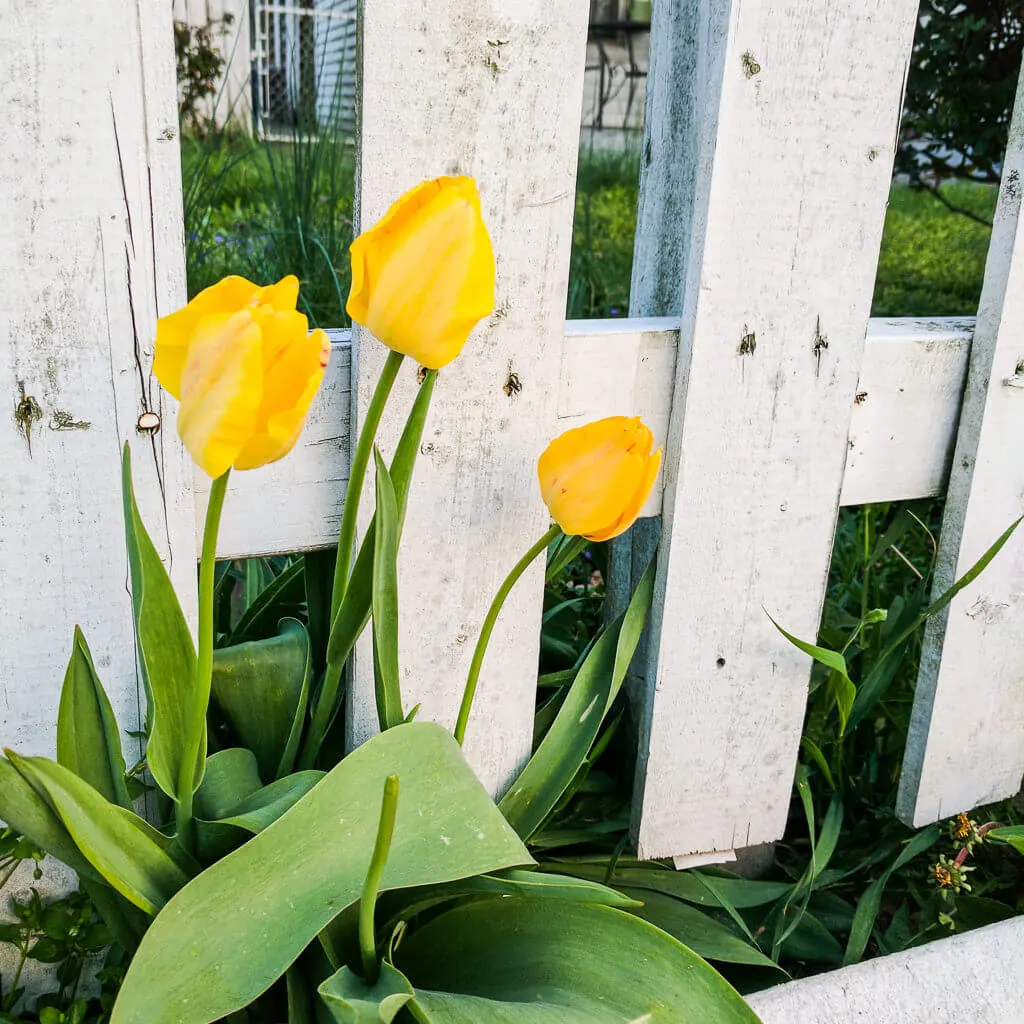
(272, 880)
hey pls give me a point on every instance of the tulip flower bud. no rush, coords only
(423, 276)
(595, 479)
(245, 367)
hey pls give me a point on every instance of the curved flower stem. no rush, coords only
(488, 627)
(368, 899)
(204, 663)
(357, 473)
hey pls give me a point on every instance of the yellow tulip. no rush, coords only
(595, 479)
(245, 367)
(423, 276)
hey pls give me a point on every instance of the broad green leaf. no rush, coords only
(684, 885)
(125, 849)
(126, 922)
(263, 687)
(231, 776)
(189, 972)
(870, 901)
(167, 656)
(341, 935)
(217, 836)
(279, 599)
(387, 684)
(552, 962)
(551, 770)
(1012, 834)
(702, 933)
(88, 741)
(25, 807)
(351, 1001)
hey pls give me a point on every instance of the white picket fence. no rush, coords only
(766, 168)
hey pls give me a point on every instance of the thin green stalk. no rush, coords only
(343, 636)
(371, 885)
(357, 473)
(204, 663)
(488, 627)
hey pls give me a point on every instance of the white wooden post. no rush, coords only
(966, 741)
(493, 90)
(91, 252)
(788, 160)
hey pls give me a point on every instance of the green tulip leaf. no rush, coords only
(351, 1001)
(555, 962)
(556, 762)
(684, 885)
(702, 933)
(26, 808)
(351, 618)
(88, 741)
(142, 864)
(387, 685)
(280, 598)
(218, 836)
(263, 687)
(231, 776)
(341, 935)
(273, 895)
(167, 656)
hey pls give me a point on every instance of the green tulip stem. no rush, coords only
(371, 885)
(488, 627)
(357, 474)
(204, 663)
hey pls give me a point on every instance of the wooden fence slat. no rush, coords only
(902, 431)
(797, 110)
(966, 741)
(91, 251)
(494, 91)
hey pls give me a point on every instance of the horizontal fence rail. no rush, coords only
(902, 433)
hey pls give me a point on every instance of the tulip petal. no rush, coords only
(229, 295)
(291, 384)
(423, 277)
(173, 332)
(222, 385)
(629, 516)
(596, 478)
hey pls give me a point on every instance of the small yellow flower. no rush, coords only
(245, 367)
(423, 276)
(595, 479)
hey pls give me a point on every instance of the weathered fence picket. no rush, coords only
(91, 252)
(494, 91)
(966, 740)
(790, 161)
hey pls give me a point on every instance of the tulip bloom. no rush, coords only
(595, 479)
(423, 276)
(245, 367)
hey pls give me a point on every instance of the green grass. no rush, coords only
(931, 262)
(264, 210)
(267, 209)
